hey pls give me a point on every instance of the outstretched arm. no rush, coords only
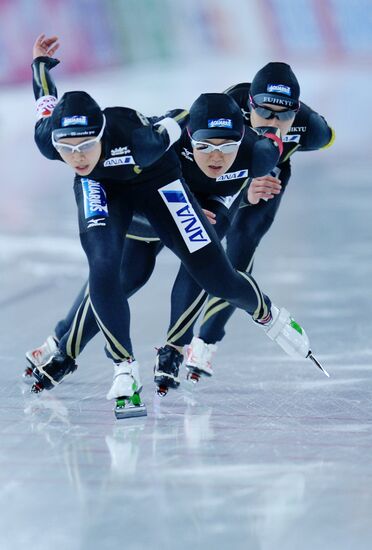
(45, 91)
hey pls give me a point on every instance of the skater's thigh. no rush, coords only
(104, 215)
(138, 263)
(178, 218)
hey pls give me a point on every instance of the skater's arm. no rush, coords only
(319, 134)
(266, 148)
(152, 140)
(45, 92)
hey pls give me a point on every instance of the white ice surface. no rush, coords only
(267, 454)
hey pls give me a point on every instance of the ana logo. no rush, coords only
(120, 151)
(294, 138)
(74, 121)
(117, 161)
(95, 202)
(233, 175)
(279, 89)
(187, 154)
(191, 228)
(220, 123)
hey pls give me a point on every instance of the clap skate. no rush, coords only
(126, 388)
(168, 362)
(198, 361)
(53, 372)
(289, 335)
(39, 356)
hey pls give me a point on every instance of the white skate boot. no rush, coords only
(126, 388)
(39, 357)
(199, 359)
(289, 335)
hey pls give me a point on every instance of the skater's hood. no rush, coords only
(276, 83)
(76, 114)
(215, 116)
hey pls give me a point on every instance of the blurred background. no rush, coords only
(154, 55)
(280, 452)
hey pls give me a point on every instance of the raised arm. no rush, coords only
(45, 91)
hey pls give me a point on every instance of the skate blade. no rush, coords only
(317, 364)
(195, 374)
(37, 388)
(163, 381)
(130, 411)
(162, 390)
(27, 376)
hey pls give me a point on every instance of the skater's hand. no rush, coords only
(44, 46)
(210, 215)
(265, 187)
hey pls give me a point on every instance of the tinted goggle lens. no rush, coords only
(268, 114)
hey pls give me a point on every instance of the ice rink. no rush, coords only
(268, 454)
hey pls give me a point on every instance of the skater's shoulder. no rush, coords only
(311, 128)
(238, 90)
(116, 115)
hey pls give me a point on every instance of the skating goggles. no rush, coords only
(225, 148)
(83, 147)
(268, 114)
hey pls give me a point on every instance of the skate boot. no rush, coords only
(168, 362)
(39, 356)
(199, 357)
(126, 388)
(289, 335)
(53, 372)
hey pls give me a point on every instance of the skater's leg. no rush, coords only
(64, 325)
(103, 246)
(138, 264)
(249, 226)
(188, 297)
(205, 261)
(199, 249)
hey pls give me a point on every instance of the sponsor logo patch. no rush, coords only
(294, 138)
(96, 222)
(117, 161)
(187, 154)
(226, 201)
(95, 202)
(298, 129)
(120, 151)
(189, 225)
(277, 101)
(45, 106)
(233, 175)
(220, 123)
(74, 121)
(279, 89)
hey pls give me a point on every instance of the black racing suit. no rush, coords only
(309, 132)
(139, 171)
(222, 196)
